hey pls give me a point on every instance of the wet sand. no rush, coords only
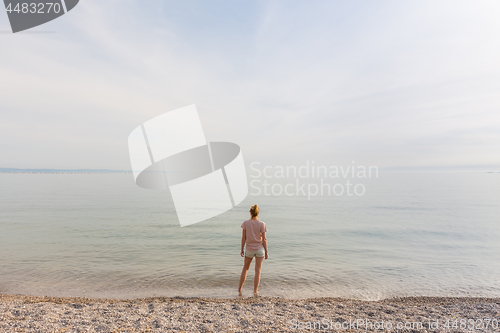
(254, 314)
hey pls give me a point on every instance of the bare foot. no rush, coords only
(240, 293)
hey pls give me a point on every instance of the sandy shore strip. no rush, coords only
(261, 314)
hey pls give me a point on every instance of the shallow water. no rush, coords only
(99, 235)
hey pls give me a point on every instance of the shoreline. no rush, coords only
(71, 299)
(246, 314)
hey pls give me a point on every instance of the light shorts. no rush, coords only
(259, 253)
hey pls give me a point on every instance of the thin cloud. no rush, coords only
(386, 83)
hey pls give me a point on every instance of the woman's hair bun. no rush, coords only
(254, 210)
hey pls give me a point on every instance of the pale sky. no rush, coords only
(387, 83)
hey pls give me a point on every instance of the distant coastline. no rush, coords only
(383, 169)
(59, 171)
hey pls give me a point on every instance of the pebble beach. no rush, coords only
(247, 314)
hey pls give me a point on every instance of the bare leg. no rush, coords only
(244, 272)
(258, 268)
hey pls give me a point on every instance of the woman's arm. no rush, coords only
(264, 242)
(243, 241)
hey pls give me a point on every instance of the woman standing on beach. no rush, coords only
(254, 236)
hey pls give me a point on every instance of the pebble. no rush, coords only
(253, 314)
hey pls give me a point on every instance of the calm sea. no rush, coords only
(99, 235)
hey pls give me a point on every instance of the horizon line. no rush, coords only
(495, 169)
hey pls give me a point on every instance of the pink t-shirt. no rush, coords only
(254, 228)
